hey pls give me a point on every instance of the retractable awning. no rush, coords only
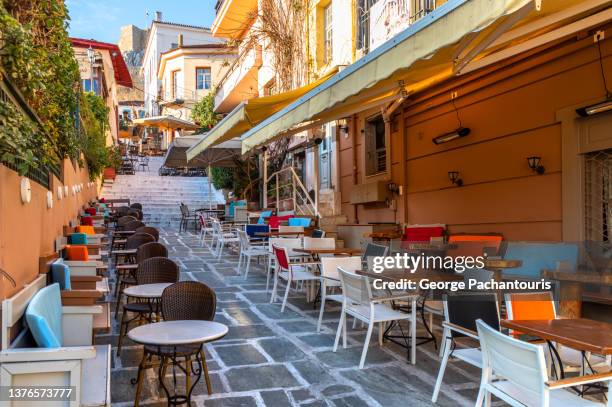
(248, 114)
(220, 155)
(166, 123)
(444, 43)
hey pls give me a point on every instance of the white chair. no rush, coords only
(290, 272)
(206, 229)
(515, 371)
(359, 303)
(249, 250)
(298, 230)
(460, 314)
(331, 279)
(224, 237)
(290, 243)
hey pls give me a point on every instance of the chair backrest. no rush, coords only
(288, 242)
(150, 230)
(88, 230)
(281, 255)
(263, 216)
(124, 219)
(44, 317)
(76, 253)
(474, 244)
(329, 265)
(135, 213)
(423, 233)
(122, 210)
(241, 214)
(275, 221)
(479, 275)
(374, 250)
(303, 222)
(320, 243)
(317, 233)
(519, 362)
(252, 230)
(133, 225)
(530, 306)
(355, 288)
(138, 239)
(87, 221)
(60, 274)
(151, 249)
(136, 205)
(157, 270)
(463, 309)
(91, 211)
(539, 256)
(188, 300)
(245, 244)
(291, 229)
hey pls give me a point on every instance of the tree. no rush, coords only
(203, 113)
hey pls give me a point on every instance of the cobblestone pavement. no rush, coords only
(278, 359)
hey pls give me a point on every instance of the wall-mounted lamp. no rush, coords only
(343, 125)
(318, 140)
(393, 187)
(453, 135)
(600, 107)
(535, 165)
(606, 105)
(454, 178)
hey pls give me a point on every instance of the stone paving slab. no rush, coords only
(269, 358)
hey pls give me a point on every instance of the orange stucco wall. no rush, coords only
(28, 231)
(511, 110)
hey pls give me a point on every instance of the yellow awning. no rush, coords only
(166, 123)
(249, 113)
(424, 54)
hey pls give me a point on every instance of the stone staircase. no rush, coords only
(160, 196)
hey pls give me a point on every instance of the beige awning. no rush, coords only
(166, 123)
(428, 52)
(220, 155)
(250, 113)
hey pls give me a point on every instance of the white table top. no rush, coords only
(146, 290)
(178, 332)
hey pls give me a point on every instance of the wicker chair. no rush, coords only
(151, 249)
(150, 230)
(135, 213)
(152, 270)
(123, 277)
(185, 300)
(123, 220)
(136, 205)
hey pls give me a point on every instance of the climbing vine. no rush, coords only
(37, 56)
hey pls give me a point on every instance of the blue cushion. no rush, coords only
(60, 273)
(78, 238)
(252, 230)
(44, 317)
(539, 256)
(263, 216)
(305, 222)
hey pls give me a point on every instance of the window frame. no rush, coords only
(371, 153)
(174, 84)
(204, 82)
(328, 33)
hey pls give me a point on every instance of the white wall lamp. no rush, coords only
(49, 199)
(26, 190)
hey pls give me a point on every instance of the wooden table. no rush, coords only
(586, 335)
(314, 251)
(278, 234)
(396, 275)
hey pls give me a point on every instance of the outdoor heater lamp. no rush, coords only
(453, 135)
(601, 107)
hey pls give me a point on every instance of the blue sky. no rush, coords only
(101, 19)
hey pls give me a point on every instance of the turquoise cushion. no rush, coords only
(305, 222)
(234, 204)
(539, 256)
(60, 273)
(263, 216)
(44, 317)
(78, 238)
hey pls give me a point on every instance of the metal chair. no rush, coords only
(153, 270)
(290, 272)
(248, 250)
(185, 300)
(330, 279)
(318, 233)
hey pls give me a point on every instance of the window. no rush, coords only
(86, 83)
(270, 88)
(375, 146)
(175, 77)
(327, 34)
(203, 78)
(363, 24)
(173, 45)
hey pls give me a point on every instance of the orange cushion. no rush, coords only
(88, 230)
(531, 306)
(78, 253)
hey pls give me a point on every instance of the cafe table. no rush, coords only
(166, 338)
(584, 335)
(146, 291)
(337, 251)
(278, 234)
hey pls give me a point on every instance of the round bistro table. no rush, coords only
(174, 334)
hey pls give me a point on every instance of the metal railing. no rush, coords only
(286, 187)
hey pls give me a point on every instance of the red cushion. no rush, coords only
(87, 221)
(275, 221)
(91, 211)
(422, 234)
